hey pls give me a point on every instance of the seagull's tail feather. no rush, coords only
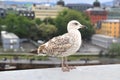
(39, 51)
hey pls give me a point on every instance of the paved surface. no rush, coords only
(26, 46)
(102, 72)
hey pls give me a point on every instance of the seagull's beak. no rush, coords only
(83, 26)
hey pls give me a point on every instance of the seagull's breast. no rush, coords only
(76, 43)
(77, 39)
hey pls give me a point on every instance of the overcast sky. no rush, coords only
(66, 1)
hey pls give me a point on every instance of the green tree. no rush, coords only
(10, 21)
(1, 21)
(20, 25)
(114, 50)
(66, 15)
(49, 20)
(37, 21)
(25, 27)
(47, 31)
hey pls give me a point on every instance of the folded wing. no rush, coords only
(57, 45)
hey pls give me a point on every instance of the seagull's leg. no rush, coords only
(69, 67)
(64, 68)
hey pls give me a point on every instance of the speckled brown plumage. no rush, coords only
(58, 45)
(64, 45)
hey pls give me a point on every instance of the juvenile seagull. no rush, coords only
(64, 45)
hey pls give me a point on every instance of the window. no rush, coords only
(24, 14)
(28, 14)
(20, 14)
(2, 11)
(2, 14)
(32, 14)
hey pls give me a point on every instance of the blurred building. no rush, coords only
(61, 3)
(116, 3)
(19, 8)
(28, 14)
(110, 27)
(10, 41)
(46, 10)
(2, 9)
(79, 7)
(2, 4)
(96, 13)
(114, 13)
(102, 40)
(2, 12)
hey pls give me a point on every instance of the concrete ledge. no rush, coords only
(98, 72)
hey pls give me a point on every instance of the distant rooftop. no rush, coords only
(46, 3)
(75, 4)
(111, 20)
(104, 36)
(8, 35)
(96, 9)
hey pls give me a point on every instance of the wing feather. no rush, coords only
(58, 45)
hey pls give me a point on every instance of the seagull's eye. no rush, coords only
(76, 23)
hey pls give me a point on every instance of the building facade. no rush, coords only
(102, 40)
(2, 12)
(116, 3)
(114, 13)
(2, 4)
(28, 14)
(79, 7)
(46, 10)
(10, 41)
(61, 3)
(110, 28)
(96, 13)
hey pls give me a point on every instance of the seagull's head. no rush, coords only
(74, 24)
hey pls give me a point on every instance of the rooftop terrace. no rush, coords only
(99, 72)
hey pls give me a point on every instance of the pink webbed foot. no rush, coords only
(65, 69)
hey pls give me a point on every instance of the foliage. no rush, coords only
(66, 15)
(25, 27)
(10, 22)
(49, 20)
(114, 50)
(47, 31)
(38, 21)
(19, 25)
